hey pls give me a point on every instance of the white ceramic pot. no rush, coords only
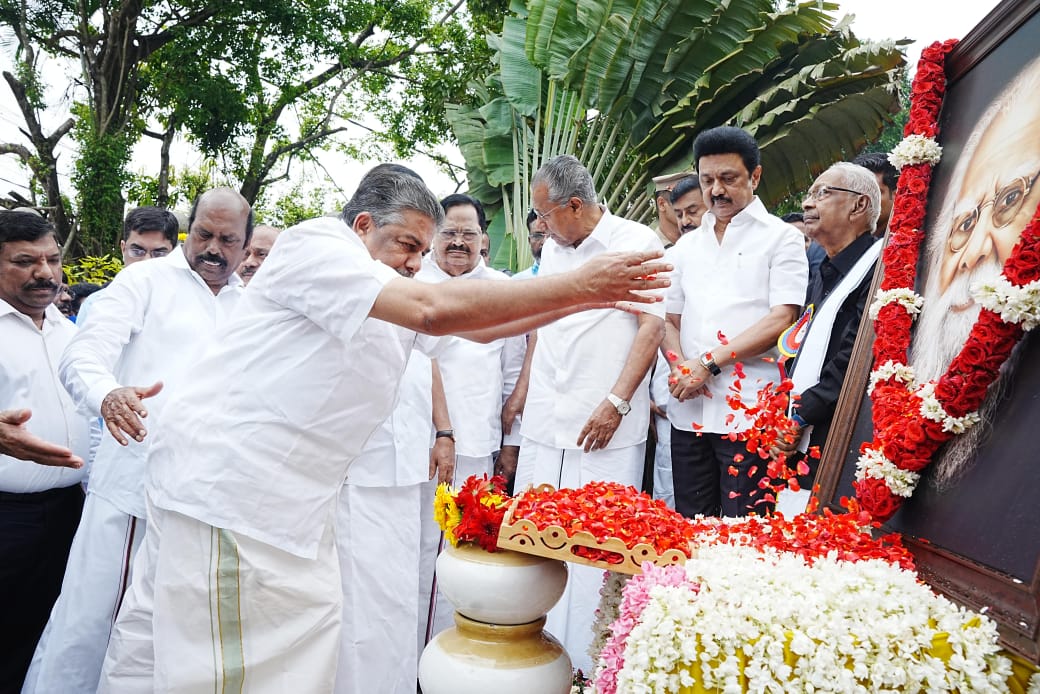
(477, 658)
(502, 587)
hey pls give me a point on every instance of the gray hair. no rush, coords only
(386, 194)
(566, 178)
(863, 180)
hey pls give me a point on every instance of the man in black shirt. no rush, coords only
(840, 211)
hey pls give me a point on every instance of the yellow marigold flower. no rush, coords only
(446, 512)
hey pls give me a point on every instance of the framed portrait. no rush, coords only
(973, 523)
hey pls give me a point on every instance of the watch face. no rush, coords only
(624, 408)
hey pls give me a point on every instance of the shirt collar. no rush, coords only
(601, 232)
(51, 314)
(754, 212)
(847, 257)
(475, 273)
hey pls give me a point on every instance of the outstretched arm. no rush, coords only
(457, 307)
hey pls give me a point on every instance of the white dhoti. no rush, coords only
(70, 652)
(571, 620)
(444, 612)
(377, 531)
(209, 610)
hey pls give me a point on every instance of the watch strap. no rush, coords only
(708, 362)
(446, 434)
(620, 404)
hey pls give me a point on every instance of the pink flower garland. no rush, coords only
(636, 597)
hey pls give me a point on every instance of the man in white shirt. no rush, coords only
(243, 481)
(738, 283)
(144, 336)
(39, 504)
(588, 406)
(477, 378)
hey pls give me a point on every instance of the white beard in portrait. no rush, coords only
(949, 313)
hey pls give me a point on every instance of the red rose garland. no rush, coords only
(903, 436)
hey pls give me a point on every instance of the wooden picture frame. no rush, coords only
(975, 539)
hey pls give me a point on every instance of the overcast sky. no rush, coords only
(923, 21)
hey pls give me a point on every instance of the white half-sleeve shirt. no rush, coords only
(301, 377)
(477, 377)
(726, 288)
(578, 358)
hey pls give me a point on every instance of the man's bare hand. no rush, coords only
(506, 464)
(513, 408)
(626, 277)
(787, 442)
(442, 460)
(123, 410)
(18, 442)
(600, 427)
(688, 380)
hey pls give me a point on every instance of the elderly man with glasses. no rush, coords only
(841, 212)
(587, 410)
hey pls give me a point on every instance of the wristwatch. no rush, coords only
(446, 434)
(621, 404)
(708, 362)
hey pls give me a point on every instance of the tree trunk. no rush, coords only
(45, 166)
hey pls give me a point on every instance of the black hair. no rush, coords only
(23, 226)
(143, 219)
(792, 217)
(726, 139)
(878, 163)
(684, 186)
(81, 290)
(459, 199)
(531, 216)
(249, 217)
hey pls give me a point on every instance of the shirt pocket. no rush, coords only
(750, 281)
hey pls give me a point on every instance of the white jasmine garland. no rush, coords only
(855, 627)
(915, 149)
(901, 372)
(1014, 304)
(907, 298)
(932, 409)
(874, 464)
(1034, 684)
(608, 610)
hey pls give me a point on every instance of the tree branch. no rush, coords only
(12, 148)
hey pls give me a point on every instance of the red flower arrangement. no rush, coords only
(474, 513)
(607, 510)
(846, 535)
(905, 440)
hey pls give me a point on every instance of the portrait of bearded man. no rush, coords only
(991, 196)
